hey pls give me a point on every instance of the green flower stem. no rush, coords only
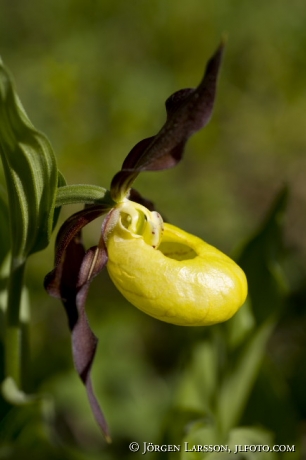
(14, 350)
(83, 193)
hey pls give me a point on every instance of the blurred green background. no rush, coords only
(93, 76)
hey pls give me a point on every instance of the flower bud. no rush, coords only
(168, 273)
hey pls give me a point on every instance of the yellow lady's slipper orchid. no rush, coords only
(164, 271)
(168, 273)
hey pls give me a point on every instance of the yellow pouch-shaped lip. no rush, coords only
(185, 281)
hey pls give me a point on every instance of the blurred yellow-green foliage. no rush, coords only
(94, 76)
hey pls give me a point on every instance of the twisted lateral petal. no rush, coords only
(69, 281)
(188, 111)
(185, 281)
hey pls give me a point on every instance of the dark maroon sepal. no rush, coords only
(138, 198)
(188, 111)
(74, 270)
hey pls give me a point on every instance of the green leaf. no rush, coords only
(199, 435)
(14, 395)
(238, 384)
(31, 174)
(61, 182)
(260, 260)
(4, 227)
(248, 439)
(83, 193)
(198, 384)
(239, 327)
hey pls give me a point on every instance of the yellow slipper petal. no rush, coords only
(184, 281)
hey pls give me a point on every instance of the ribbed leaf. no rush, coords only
(61, 182)
(30, 172)
(83, 193)
(4, 228)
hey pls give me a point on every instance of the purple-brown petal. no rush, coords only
(74, 224)
(136, 152)
(138, 198)
(188, 111)
(84, 342)
(70, 282)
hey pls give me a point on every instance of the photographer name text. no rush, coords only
(148, 447)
